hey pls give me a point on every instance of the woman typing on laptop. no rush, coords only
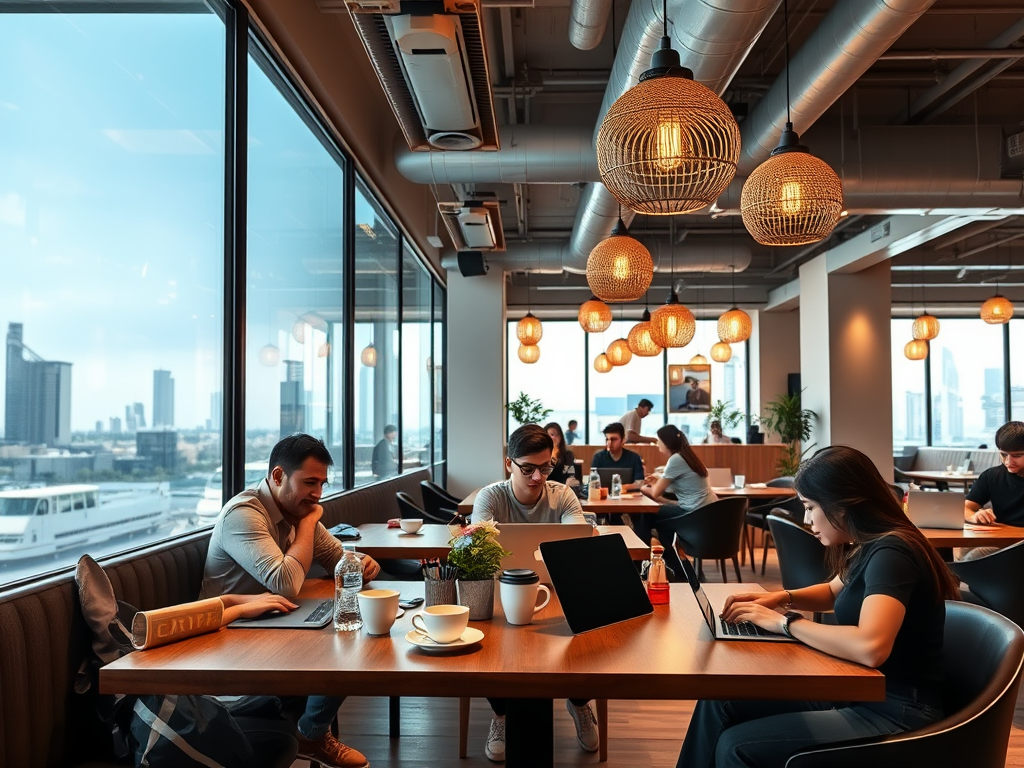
(888, 595)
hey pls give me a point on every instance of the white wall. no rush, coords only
(774, 354)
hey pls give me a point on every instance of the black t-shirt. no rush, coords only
(888, 566)
(560, 473)
(1006, 492)
(628, 460)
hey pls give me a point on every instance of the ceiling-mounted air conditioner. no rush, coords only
(474, 224)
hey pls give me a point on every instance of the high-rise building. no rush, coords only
(216, 410)
(293, 399)
(163, 399)
(159, 447)
(915, 417)
(992, 400)
(99, 425)
(115, 425)
(37, 407)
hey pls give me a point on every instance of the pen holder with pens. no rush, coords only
(438, 584)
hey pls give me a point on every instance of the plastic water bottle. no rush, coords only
(616, 489)
(348, 581)
(594, 487)
(657, 577)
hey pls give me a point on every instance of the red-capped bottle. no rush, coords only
(657, 577)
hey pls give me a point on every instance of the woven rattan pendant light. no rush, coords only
(792, 198)
(639, 339)
(619, 268)
(595, 316)
(916, 349)
(619, 352)
(721, 352)
(529, 330)
(698, 359)
(735, 325)
(672, 324)
(602, 364)
(667, 145)
(997, 310)
(529, 353)
(926, 326)
(368, 356)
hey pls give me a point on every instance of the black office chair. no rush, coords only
(801, 555)
(437, 501)
(984, 653)
(997, 580)
(711, 532)
(409, 509)
(790, 507)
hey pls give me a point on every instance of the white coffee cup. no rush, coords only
(378, 608)
(518, 588)
(740, 481)
(411, 525)
(442, 623)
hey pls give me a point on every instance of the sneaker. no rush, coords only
(495, 748)
(587, 733)
(330, 752)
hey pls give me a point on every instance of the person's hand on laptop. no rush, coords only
(253, 606)
(982, 516)
(760, 608)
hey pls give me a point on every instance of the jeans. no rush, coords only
(318, 714)
(759, 734)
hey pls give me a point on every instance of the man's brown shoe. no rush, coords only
(330, 752)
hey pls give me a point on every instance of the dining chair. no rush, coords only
(997, 580)
(756, 519)
(711, 532)
(437, 501)
(984, 654)
(410, 509)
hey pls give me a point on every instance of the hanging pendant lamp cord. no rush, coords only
(664, 18)
(785, 16)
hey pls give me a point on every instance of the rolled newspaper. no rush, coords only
(168, 625)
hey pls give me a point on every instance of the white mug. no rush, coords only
(378, 608)
(519, 588)
(410, 525)
(442, 623)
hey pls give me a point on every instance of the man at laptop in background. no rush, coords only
(617, 456)
(529, 497)
(1003, 485)
(267, 538)
(631, 422)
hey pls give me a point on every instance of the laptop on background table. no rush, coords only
(312, 613)
(523, 541)
(720, 477)
(936, 509)
(625, 474)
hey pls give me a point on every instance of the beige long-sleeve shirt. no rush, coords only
(248, 545)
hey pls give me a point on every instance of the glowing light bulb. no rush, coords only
(792, 197)
(620, 267)
(669, 145)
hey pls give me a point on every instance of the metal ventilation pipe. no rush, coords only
(850, 38)
(550, 257)
(713, 38)
(587, 22)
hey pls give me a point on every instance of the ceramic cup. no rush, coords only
(378, 608)
(740, 481)
(411, 525)
(442, 623)
(519, 588)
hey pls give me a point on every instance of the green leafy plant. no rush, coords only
(476, 553)
(724, 412)
(785, 417)
(527, 411)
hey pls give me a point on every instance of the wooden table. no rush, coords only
(667, 655)
(754, 493)
(1000, 536)
(381, 542)
(954, 478)
(631, 503)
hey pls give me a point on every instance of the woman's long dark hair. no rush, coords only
(676, 441)
(559, 450)
(855, 499)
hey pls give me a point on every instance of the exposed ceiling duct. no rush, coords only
(587, 22)
(551, 257)
(849, 39)
(713, 38)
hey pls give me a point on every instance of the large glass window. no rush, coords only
(417, 362)
(376, 339)
(728, 383)
(111, 235)
(436, 369)
(909, 414)
(556, 379)
(967, 371)
(614, 393)
(294, 274)
(1016, 371)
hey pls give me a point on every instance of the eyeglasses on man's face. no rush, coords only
(529, 469)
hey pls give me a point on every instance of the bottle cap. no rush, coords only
(657, 549)
(348, 547)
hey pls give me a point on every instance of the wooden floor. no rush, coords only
(641, 733)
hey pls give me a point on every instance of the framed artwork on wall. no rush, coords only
(689, 388)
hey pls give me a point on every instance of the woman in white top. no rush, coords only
(716, 437)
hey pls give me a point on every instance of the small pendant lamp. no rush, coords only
(698, 359)
(270, 355)
(926, 327)
(619, 268)
(529, 353)
(997, 310)
(368, 356)
(735, 325)
(916, 349)
(595, 316)
(529, 330)
(721, 352)
(619, 352)
(602, 364)
(639, 338)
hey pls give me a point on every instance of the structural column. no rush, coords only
(476, 380)
(846, 357)
(774, 354)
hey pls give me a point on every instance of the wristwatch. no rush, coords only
(788, 619)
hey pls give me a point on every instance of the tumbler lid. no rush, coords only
(519, 576)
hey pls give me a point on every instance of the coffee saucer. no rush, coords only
(470, 637)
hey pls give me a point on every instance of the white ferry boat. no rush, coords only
(209, 507)
(47, 521)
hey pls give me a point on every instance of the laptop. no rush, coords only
(596, 582)
(625, 474)
(935, 509)
(719, 477)
(711, 610)
(312, 613)
(523, 541)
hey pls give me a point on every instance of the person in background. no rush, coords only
(697, 398)
(562, 458)
(616, 456)
(630, 422)
(888, 593)
(571, 435)
(384, 462)
(1001, 486)
(715, 435)
(266, 538)
(528, 496)
(685, 477)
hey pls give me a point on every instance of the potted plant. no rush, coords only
(476, 555)
(527, 411)
(792, 424)
(725, 413)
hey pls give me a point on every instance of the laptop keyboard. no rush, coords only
(320, 613)
(744, 629)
